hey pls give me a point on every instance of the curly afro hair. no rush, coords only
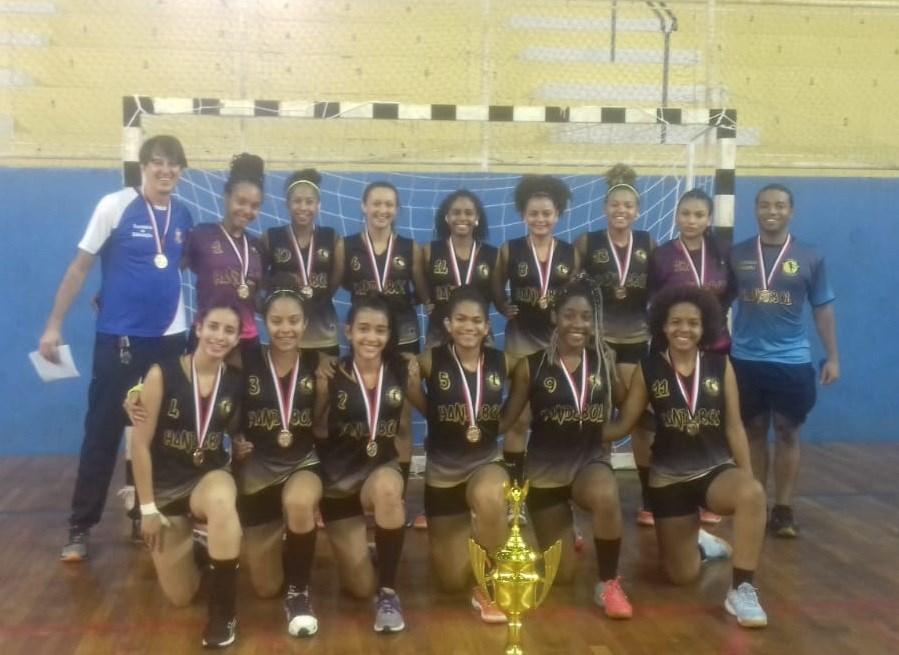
(708, 307)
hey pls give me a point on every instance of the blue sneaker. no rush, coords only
(712, 547)
(743, 603)
(388, 612)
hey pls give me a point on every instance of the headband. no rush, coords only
(623, 185)
(312, 184)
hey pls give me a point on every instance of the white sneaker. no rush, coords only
(713, 548)
(743, 603)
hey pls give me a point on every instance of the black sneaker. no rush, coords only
(782, 524)
(76, 548)
(301, 621)
(219, 632)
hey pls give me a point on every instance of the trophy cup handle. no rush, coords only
(478, 558)
(551, 558)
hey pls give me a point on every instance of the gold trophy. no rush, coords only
(514, 583)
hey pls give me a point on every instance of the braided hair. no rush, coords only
(583, 286)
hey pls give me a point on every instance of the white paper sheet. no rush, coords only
(48, 371)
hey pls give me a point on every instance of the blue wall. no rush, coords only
(852, 220)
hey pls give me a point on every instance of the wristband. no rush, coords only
(137, 388)
(148, 509)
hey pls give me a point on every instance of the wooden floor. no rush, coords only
(833, 591)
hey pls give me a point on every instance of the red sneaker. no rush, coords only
(611, 597)
(645, 518)
(490, 613)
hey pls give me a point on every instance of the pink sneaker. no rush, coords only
(611, 597)
(645, 518)
(490, 613)
(707, 517)
(420, 522)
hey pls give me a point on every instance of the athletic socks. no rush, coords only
(643, 473)
(607, 551)
(389, 547)
(222, 588)
(299, 551)
(741, 576)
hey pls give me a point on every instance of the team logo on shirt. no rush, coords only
(307, 385)
(216, 247)
(550, 384)
(226, 407)
(595, 381)
(660, 389)
(323, 254)
(443, 381)
(395, 396)
(711, 386)
(253, 385)
(563, 270)
(640, 255)
(790, 267)
(440, 267)
(281, 255)
(601, 256)
(522, 269)
(494, 382)
(355, 264)
(399, 263)
(483, 271)
(179, 235)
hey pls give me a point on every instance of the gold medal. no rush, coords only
(620, 293)
(473, 434)
(285, 438)
(198, 457)
(306, 292)
(243, 291)
(372, 448)
(693, 428)
(543, 302)
(160, 261)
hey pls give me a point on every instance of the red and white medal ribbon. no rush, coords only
(580, 396)
(380, 278)
(203, 419)
(372, 405)
(543, 274)
(473, 405)
(285, 403)
(766, 278)
(304, 266)
(623, 269)
(693, 397)
(699, 275)
(471, 257)
(245, 259)
(159, 240)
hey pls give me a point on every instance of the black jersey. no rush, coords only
(676, 455)
(624, 319)
(321, 330)
(452, 458)
(563, 439)
(442, 281)
(360, 279)
(344, 460)
(271, 463)
(174, 472)
(531, 329)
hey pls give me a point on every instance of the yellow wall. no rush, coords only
(816, 87)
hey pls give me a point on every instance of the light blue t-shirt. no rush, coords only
(136, 298)
(768, 325)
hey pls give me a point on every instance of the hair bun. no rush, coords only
(621, 174)
(247, 167)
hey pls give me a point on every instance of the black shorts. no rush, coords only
(788, 389)
(180, 507)
(345, 507)
(683, 498)
(446, 501)
(629, 353)
(540, 498)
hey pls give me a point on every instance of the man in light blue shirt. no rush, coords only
(776, 277)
